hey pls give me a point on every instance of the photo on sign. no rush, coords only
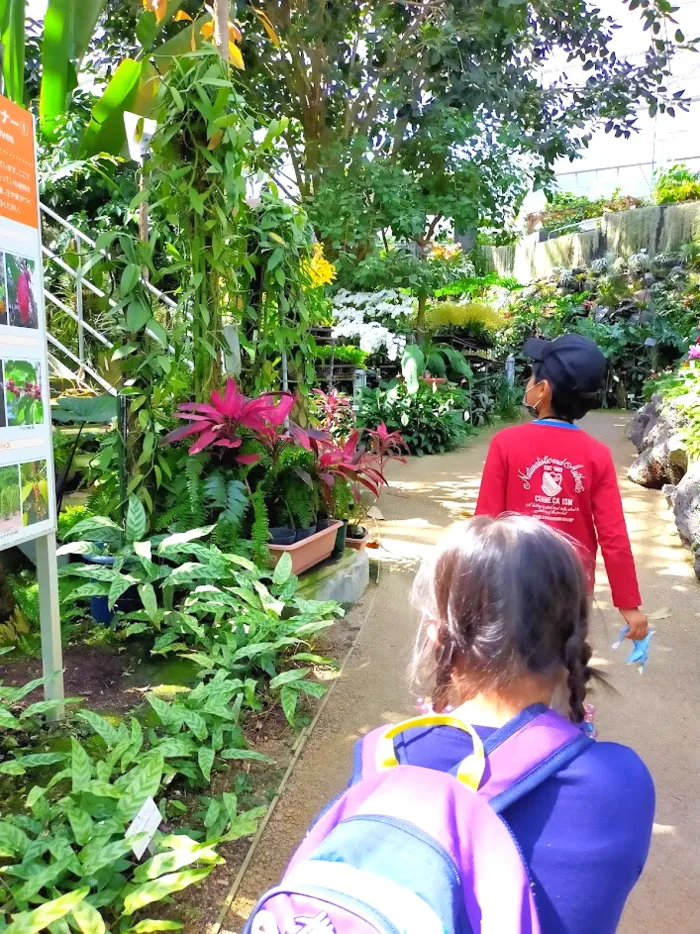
(22, 283)
(35, 492)
(22, 384)
(3, 290)
(3, 409)
(10, 501)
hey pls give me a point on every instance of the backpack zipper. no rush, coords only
(360, 909)
(418, 834)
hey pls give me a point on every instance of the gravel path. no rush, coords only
(657, 714)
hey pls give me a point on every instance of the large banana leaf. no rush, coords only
(133, 87)
(58, 76)
(84, 26)
(12, 15)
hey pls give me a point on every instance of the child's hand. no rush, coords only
(637, 622)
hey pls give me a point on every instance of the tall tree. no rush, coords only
(379, 76)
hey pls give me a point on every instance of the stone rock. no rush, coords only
(686, 509)
(642, 296)
(677, 453)
(639, 425)
(649, 469)
(679, 271)
(649, 280)
(669, 492)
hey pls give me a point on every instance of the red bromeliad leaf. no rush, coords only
(205, 439)
(184, 431)
(248, 458)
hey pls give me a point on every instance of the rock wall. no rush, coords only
(658, 229)
(662, 464)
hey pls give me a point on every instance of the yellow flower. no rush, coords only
(159, 7)
(318, 269)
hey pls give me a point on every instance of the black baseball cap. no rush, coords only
(571, 362)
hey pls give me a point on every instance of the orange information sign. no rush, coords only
(18, 197)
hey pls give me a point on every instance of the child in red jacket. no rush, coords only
(552, 470)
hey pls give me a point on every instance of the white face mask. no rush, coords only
(530, 409)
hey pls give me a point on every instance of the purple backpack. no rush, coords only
(411, 850)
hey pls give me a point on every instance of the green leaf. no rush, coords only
(84, 26)
(136, 521)
(124, 351)
(289, 698)
(120, 584)
(143, 782)
(312, 688)
(205, 758)
(175, 859)
(80, 823)
(130, 276)
(212, 815)
(58, 73)
(88, 919)
(287, 677)
(13, 44)
(137, 315)
(105, 131)
(149, 600)
(102, 727)
(169, 716)
(158, 889)
(81, 766)
(195, 722)
(99, 853)
(30, 922)
(7, 720)
(149, 926)
(245, 755)
(12, 838)
(283, 570)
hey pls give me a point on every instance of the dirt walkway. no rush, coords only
(657, 714)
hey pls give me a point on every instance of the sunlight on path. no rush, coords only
(657, 714)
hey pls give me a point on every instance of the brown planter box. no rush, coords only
(359, 544)
(310, 551)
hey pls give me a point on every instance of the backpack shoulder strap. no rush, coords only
(525, 757)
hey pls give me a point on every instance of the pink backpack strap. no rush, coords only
(519, 756)
(536, 750)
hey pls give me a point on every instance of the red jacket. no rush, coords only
(561, 475)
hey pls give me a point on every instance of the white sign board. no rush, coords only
(27, 484)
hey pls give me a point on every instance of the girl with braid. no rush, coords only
(505, 606)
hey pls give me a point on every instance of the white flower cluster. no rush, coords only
(359, 316)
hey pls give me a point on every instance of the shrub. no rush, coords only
(428, 419)
(462, 315)
(341, 353)
(676, 184)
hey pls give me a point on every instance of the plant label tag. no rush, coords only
(144, 825)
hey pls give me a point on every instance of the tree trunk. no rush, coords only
(222, 9)
(420, 319)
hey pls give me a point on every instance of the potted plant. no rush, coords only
(275, 460)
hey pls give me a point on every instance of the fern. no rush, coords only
(102, 502)
(260, 531)
(194, 468)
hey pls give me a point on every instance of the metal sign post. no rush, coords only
(27, 479)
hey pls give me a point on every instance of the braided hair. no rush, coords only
(501, 599)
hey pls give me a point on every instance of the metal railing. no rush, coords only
(80, 275)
